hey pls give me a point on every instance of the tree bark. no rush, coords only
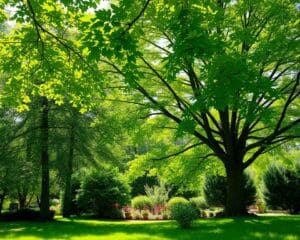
(67, 202)
(44, 207)
(235, 204)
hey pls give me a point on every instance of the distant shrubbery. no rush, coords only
(282, 189)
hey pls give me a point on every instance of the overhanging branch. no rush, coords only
(179, 152)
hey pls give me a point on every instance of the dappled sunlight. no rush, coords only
(253, 228)
(120, 235)
(271, 235)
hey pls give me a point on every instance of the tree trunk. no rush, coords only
(2, 197)
(67, 202)
(45, 214)
(22, 201)
(235, 204)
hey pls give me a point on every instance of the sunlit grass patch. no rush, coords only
(252, 228)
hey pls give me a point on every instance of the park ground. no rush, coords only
(251, 228)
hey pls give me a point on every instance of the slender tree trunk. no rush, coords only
(235, 204)
(38, 201)
(45, 214)
(67, 202)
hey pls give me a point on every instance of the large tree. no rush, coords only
(225, 72)
(40, 63)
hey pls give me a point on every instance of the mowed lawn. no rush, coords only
(260, 228)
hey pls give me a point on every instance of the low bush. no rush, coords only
(24, 215)
(184, 213)
(282, 189)
(141, 202)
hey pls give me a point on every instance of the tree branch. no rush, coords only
(129, 25)
(178, 153)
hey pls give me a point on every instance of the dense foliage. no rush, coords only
(138, 184)
(102, 192)
(282, 189)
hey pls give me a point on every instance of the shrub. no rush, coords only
(24, 215)
(141, 202)
(282, 189)
(159, 194)
(184, 213)
(216, 193)
(215, 190)
(102, 192)
(174, 201)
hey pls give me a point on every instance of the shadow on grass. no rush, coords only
(254, 228)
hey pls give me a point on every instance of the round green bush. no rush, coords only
(141, 202)
(184, 213)
(176, 200)
(102, 192)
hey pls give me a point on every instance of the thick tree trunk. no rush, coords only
(22, 202)
(67, 202)
(45, 214)
(235, 204)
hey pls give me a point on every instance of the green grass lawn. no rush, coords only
(253, 228)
